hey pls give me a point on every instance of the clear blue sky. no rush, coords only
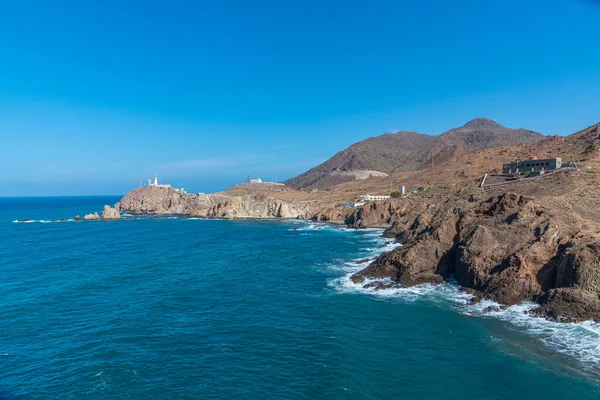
(96, 95)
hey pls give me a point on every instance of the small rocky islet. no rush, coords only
(108, 213)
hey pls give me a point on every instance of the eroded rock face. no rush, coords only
(151, 200)
(332, 214)
(110, 213)
(509, 248)
(568, 305)
(258, 206)
(158, 200)
(376, 213)
(91, 217)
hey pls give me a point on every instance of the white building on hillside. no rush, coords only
(368, 197)
(257, 180)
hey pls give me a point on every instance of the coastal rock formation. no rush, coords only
(258, 206)
(533, 240)
(110, 213)
(509, 248)
(332, 214)
(91, 217)
(159, 200)
(152, 200)
(375, 214)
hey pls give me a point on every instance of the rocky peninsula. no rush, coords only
(162, 200)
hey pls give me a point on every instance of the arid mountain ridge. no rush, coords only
(409, 151)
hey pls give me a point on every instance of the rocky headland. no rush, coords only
(532, 240)
(535, 240)
(160, 200)
(509, 248)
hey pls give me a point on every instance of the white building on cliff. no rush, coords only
(257, 180)
(153, 182)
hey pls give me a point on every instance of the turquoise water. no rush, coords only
(187, 309)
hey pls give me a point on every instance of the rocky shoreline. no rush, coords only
(157, 200)
(503, 246)
(507, 248)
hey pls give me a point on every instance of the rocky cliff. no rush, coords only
(510, 248)
(157, 200)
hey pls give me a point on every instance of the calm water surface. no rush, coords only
(186, 309)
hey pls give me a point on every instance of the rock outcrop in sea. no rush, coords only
(91, 217)
(110, 213)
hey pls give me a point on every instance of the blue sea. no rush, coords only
(185, 308)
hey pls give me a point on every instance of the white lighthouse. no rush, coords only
(153, 182)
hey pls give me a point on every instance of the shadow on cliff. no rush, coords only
(547, 275)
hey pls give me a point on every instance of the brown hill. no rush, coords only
(409, 151)
(456, 169)
(401, 151)
(483, 133)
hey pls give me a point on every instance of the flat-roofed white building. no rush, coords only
(368, 197)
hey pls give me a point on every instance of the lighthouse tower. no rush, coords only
(155, 180)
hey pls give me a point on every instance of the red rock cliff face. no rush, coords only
(372, 214)
(509, 248)
(376, 213)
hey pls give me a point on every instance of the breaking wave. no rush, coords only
(124, 216)
(42, 221)
(578, 341)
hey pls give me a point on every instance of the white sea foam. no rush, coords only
(41, 221)
(310, 227)
(580, 341)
